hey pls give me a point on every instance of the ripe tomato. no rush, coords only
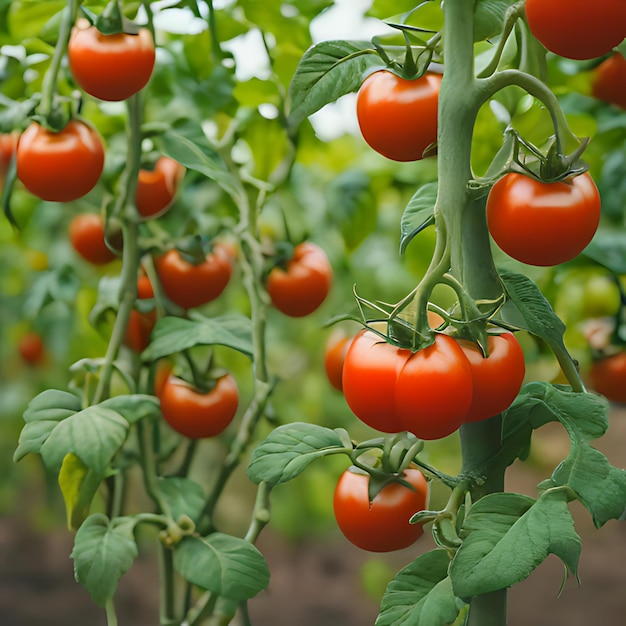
(87, 238)
(301, 288)
(497, 378)
(140, 325)
(370, 371)
(608, 377)
(397, 116)
(577, 29)
(608, 82)
(543, 223)
(63, 166)
(31, 348)
(197, 415)
(433, 392)
(334, 357)
(189, 285)
(382, 525)
(156, 189)
(8, 144)
(110, 67)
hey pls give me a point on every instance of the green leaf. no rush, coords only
(103, 552)
(608, 248)
(79, 485)
(222, 564)
(108, 298)
(289, 449)
(327, 71)
(133, 407)
(94, 435)
(489, 17)
(418, 214)
(184, 496)
(420, 594)
(173, 334)
(32, 437)
(507, 535)
(52, 404)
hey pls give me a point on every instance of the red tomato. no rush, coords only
(497, 378)
(110, 67)
(434, 389)
(197, 415)
(156, 189)
(370, 371)
(8, 144)
(31, 348)
(382, 525)
(141, 325)
(543, 223)
(334, 357)
(63, 166)
(609, 81)
(189, 285)
(87, 238)
(577, 29)
(608, 377)
(398, 117)
(301, 288)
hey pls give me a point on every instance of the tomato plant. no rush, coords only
(31, 348)
(577, 29)
(156, 188)
(541, 223)
(60, 166)
(110, 67)
(301, 287)
(398, 116)
(608, 81)
(87, 236)
(8, 144)
(608, 375)
(141, 324)
(381, 525)
(195, 414)
(189, 284)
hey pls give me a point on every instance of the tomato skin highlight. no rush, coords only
(61, 166)
(577, 29)
(189, 285)
(540, 223)
(199, 415)
(156, 189)
(301, 288)
(87, 238)
(398, 116)
(110, 67)
(608, 377)
(497, 378)
(608, 81)
(384, 525)
(370, 372)
(434, 389)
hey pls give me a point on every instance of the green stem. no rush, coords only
(261, 512)
(216, 51)
(148, 464)
(110, 613)
(167, 598)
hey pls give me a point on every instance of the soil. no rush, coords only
(318, 582)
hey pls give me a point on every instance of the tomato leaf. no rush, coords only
(489, 17)
(103, 552)
(173, 334)
(608, 248)
(78, 485)
(418, 214)
(184, 496)
(326, 72)
(133, 407)
(222, 564)
(420, 594)
(289, 449)
(507, 535)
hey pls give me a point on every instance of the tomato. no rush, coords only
(61, 166)
(541, 223)
(110, 67)
(370, 371)
(8, 145)
(497, 378)
(31, 348)
(434, 389)
(303, 285)
(334, 357)
(383, 525)
(156, 189)
(608, 377)
(577, 29)
(88, 239)
(608, 81)
(397, 116)
(140, 325)
(189, 285)
(197, 415)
